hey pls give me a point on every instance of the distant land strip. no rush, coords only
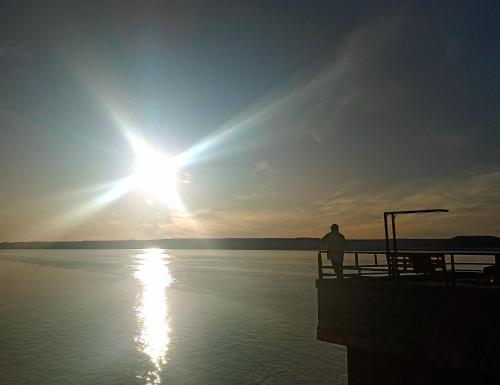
(455, 243)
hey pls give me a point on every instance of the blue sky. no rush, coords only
(295, 114)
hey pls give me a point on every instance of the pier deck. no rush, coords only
(414, 328)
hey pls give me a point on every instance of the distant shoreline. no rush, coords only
(455, 243)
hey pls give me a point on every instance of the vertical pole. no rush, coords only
(393, 216)
(376, 259)
(356, 259)
(452, 260)
(387, 246)
(320, 266)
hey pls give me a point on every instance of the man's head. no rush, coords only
(334, 227)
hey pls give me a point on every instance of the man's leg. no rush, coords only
(338, 267)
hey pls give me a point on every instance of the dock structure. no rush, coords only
(402, 325)
(427, 317)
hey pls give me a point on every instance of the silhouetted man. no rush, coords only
(335, 249)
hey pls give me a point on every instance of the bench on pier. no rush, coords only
(417, 263)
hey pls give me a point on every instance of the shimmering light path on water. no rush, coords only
(152, 310)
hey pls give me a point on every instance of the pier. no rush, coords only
(414, 317)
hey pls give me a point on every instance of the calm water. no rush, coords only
(162, 317)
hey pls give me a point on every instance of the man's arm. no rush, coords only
(342, 242)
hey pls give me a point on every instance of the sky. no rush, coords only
(287, 115)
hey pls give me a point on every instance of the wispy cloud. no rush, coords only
(265, 168)
(301, 102)
(473, 202)
(474, 209)
(11, 50)
(259, 192)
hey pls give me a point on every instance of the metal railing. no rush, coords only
(464, 266)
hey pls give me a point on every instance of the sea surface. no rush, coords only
(162, 317)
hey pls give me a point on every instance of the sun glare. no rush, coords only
(156, 174)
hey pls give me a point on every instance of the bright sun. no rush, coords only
(156, 174)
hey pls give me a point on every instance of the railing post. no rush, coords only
(376, 259)
(320, 266)
(356, 261)
(452, 260)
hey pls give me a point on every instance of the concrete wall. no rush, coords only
(409, 333)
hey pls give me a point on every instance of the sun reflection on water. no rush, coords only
(152, 310)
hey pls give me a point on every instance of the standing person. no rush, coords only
(335, 249)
